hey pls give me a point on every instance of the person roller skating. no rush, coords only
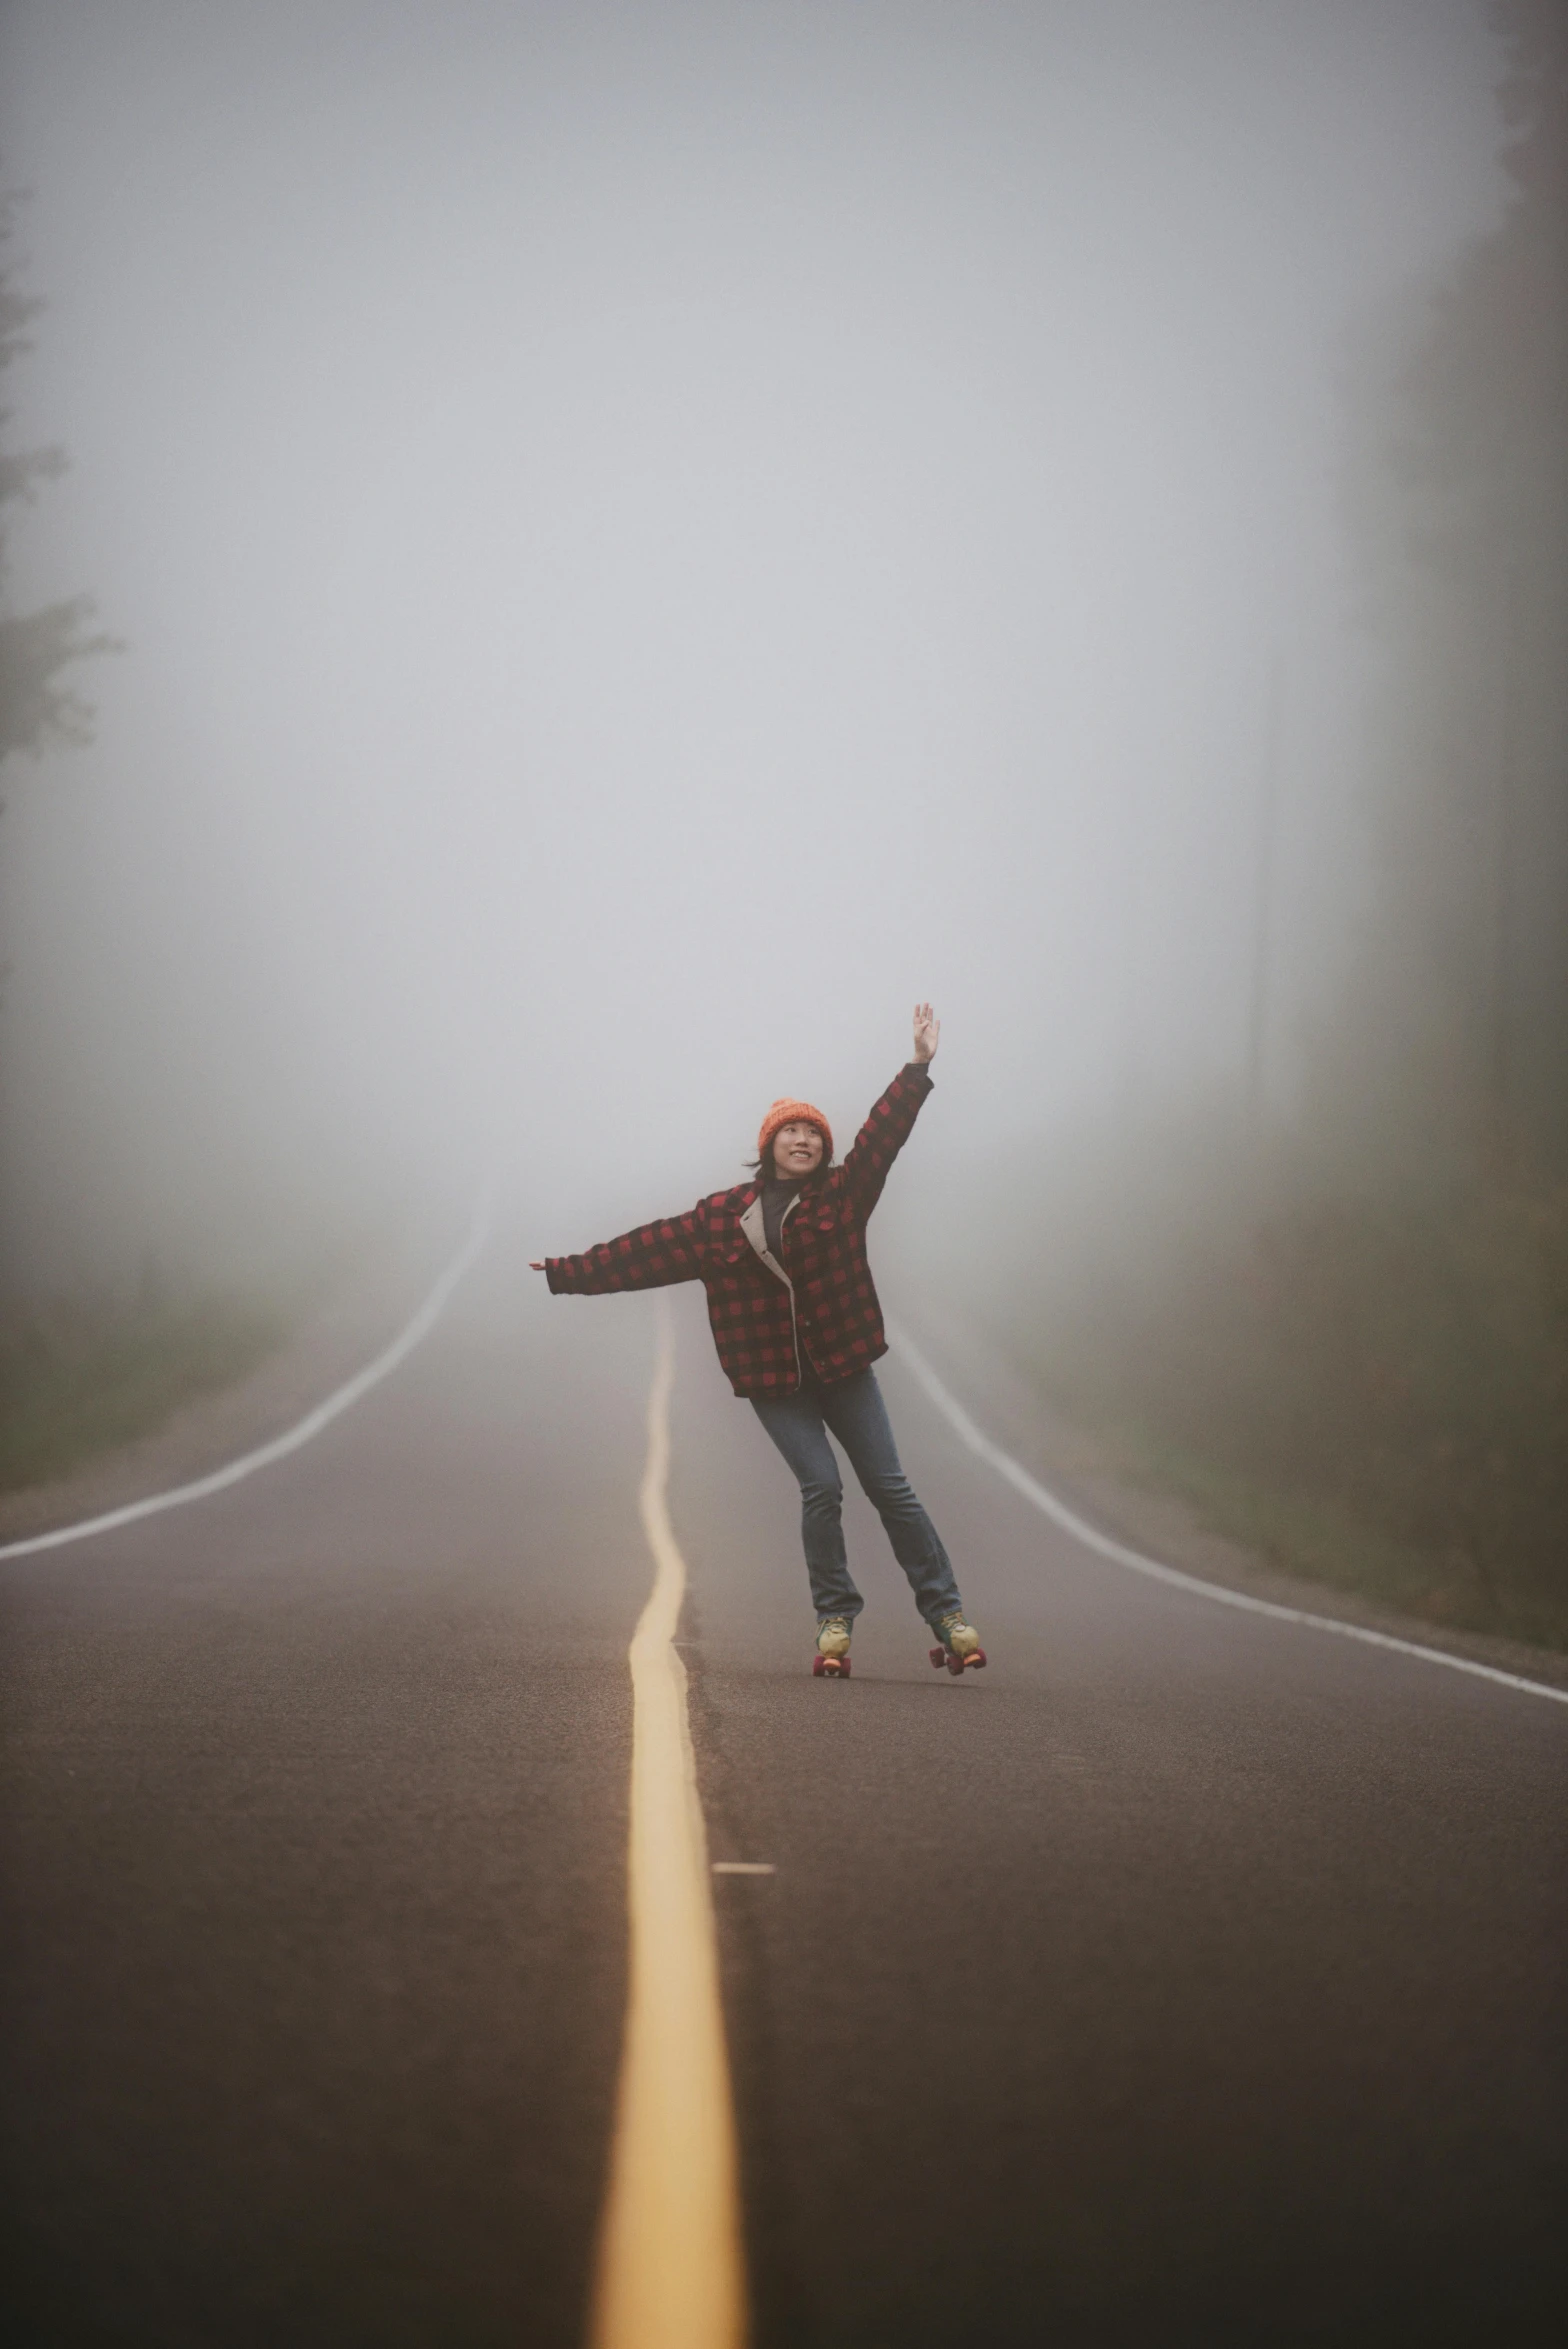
(796, 1321)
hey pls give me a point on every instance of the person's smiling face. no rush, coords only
(797, 1150)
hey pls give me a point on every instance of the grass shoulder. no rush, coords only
(79, 1378)
(1314, 1536)
(1369, 1392)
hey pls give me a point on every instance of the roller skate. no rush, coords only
(831, 1661)
(960, 1650)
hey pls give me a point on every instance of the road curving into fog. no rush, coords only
(1183, 1977)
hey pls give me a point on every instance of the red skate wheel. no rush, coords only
(819, 1665)
(938, 1658)
(843, 1668)
(955, 1665)
(977, 1660)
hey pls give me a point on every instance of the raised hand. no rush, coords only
(928, 1029)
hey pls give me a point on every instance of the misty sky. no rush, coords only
(648, 537)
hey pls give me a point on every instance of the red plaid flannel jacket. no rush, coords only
(828, 1320)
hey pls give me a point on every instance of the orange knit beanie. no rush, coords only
(792, 1113)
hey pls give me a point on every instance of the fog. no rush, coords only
(647, 538)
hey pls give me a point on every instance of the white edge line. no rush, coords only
(1092, 1538)
(341, 1399)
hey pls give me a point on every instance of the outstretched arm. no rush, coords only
(653, 1257)
(887, 1129)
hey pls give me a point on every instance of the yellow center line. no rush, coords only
(671, 2270)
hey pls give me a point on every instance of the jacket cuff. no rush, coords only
(917, 1072)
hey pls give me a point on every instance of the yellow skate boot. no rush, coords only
(960, 1650)
(831, 1661)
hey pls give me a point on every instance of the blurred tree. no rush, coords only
(1457, 1051)
(37, 706)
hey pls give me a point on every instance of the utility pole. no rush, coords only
(1132, 938)
(1499, 1072)
(1263, 901)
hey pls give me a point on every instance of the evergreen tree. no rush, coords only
(1456, 1055)
(38, 706)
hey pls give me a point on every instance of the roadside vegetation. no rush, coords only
(1343, 1332)
(1370, 1391)
(39, 650)
(80, 1377)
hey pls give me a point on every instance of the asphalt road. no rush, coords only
(1180, 1978)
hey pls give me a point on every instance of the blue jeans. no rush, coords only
(853, 1408)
